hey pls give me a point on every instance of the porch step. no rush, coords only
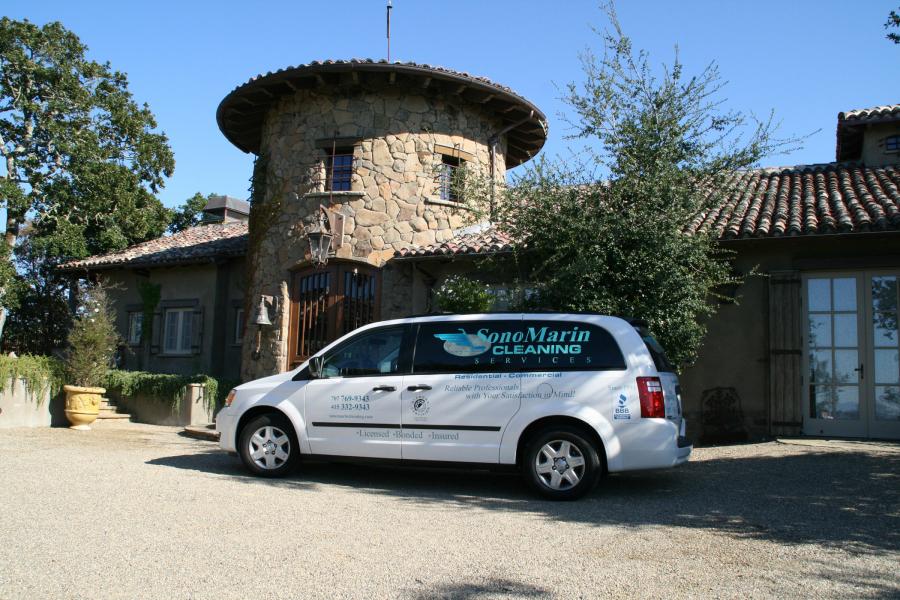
(109, 410)
(108, 413)
(202, 432)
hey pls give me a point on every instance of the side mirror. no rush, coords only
(315, 367)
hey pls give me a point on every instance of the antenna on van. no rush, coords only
(389, 8)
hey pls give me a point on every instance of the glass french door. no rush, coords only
(852, 359)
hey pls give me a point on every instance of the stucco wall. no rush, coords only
(393, 202)
(735, 352)
(189, 283)
(873, 153)
(20, 407)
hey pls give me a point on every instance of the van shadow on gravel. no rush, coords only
(846, 500)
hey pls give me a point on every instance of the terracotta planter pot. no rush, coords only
(82, 405)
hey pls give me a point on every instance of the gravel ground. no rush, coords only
(137, 511)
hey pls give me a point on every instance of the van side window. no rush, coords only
(508, 345)
(374, 353)
(656, 351)
(462, 347)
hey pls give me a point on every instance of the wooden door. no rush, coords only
(329, 302)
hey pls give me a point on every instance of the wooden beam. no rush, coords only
(290, 84)
(266, 92)
(460, 89)
(510, 108)
(487, 99)
(392, 77)
(426, 82)
(355, 76)
(319, 79)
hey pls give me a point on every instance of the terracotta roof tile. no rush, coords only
(488, 241)
(877, 112)
(806, 200)
(197, 244)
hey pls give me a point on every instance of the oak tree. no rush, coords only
(82, 160)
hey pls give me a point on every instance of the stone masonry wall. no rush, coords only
(394, 201)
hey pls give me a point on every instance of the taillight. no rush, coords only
(650, 392)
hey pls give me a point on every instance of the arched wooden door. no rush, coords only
(328, 302)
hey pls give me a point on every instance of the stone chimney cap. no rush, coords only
(235, 204)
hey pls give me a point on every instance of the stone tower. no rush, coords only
(375, 150)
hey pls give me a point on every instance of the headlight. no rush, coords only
(230, 398)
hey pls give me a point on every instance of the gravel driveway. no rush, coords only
(137, 511)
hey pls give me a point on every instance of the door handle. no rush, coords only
(861, 370)
(384, 388)
(416, 388)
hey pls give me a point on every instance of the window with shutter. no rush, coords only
(178, 334)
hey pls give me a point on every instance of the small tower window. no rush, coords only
(892, 143)
(338, 169)
(450, 178)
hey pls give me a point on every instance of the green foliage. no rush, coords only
(167, 388)
(893, 22)
(92, 339)
(82, 161)
(40, 374)
(459, 294)
(150, 294)
(189, 214)
(618, 246)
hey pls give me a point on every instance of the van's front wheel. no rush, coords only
(268, 446)
(560, 463)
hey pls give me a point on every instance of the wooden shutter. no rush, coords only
(156, 328)
(196, 329)
(785, 353)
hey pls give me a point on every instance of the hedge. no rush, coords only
(168, 388)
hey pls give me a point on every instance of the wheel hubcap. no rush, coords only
(560, 465)
(269, 447)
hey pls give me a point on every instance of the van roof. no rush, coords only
(634, 322)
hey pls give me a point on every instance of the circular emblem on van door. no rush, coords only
(421, 406)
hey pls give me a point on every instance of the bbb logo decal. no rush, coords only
(622, 412)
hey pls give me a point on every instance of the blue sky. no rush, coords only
(806, 60)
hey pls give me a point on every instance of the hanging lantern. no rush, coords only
(320, 240)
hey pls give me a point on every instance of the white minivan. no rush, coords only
(562, 397)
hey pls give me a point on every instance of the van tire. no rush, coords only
(561, 463)
(269, 446)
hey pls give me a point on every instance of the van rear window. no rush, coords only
(656, 351)
(512, 345)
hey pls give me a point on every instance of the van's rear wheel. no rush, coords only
(560, 463)
(268, 446)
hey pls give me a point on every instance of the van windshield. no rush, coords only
(656, 351)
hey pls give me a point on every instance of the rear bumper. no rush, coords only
(652, 444)
(685, 446)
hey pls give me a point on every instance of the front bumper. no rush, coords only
(226, 422)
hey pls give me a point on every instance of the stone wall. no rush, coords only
(398, 137)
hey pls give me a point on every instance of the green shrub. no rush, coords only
(92, 340)
(459, 294)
